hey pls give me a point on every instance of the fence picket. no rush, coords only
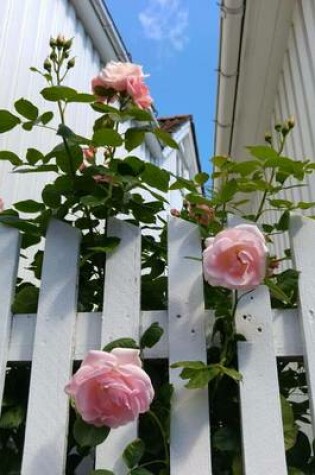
(261, 422)
(9, 258)
(302, 232)
(190, 431)
(121, 318)
(47, 415)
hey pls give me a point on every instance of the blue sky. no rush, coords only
(177, 42)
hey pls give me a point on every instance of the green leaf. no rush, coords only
(140, 471)
(151, 336)
(231, 373)
(10, 157)
(138, 114)
(87, 435)
(131, 166)
(101, 472)
(38, 169)
(276, 291)
(51, 197)
(134, 137)
(182, 183)
(289, 427)
(284, 221)
(26, 109)
(121, 343)
(12, 418)
(201, 178)
(7, 121)
(110, 243)
(103, 137)
(295, 471)
(263, 152)
(81, 97)
(199, 378)
(133, 453)
(33, 156)
(225, 439)
(227, 192)
(29, 206)
(156, 177)
(58, 93)
(189, 364)
(165, 137)
(26, 300)
(46, 117)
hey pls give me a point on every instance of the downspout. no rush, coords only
(231, 32)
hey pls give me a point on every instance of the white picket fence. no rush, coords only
(57, 335)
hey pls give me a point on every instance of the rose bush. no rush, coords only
(111, 389)
(236, 258)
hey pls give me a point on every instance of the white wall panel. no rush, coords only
(25, 29)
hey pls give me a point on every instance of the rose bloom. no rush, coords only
(111, 389)
(115, 75)
(236, 258)
(139, 92)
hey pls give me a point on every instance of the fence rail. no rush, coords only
(57, 335)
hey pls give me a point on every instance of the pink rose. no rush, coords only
(236, 258)
(139, 92)
(111, 389)
(115, 75)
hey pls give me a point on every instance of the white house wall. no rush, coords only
(25, 29)
(296, 96)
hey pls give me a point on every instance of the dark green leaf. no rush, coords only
(121, 343)
(134, 137)
(103, 137)
(151, 336)
(51, 197)
(10, 157)
(82, 97)
(156, 177)
(87, 435)
(26, 109)
(33, 156)
(284, 221)
(26, 300)
(140, 471)
(58, 93)
(165, 137)
(7, 121)
(133, 453)
(29, 206)
(46, 117)
(101, 472)
(189, 364)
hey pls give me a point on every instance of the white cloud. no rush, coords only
(165, 21)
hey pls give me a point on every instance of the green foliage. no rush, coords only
(151, 336)
(133, 453)
(7, 121)
(121, 343)
(87, 435)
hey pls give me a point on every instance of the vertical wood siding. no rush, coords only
(25, 29)
(296, 97)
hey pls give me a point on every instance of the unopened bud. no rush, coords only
(71, 63)
(285, 129)
(47, 65)
(268, 137)
(67, 44)
(52, 42)
(66, 54)
(291, 122)
(278, 127)
(53, 56)
(60, 41)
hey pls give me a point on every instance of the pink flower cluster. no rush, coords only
(125, 78)
(236, 258)
(111, 389)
